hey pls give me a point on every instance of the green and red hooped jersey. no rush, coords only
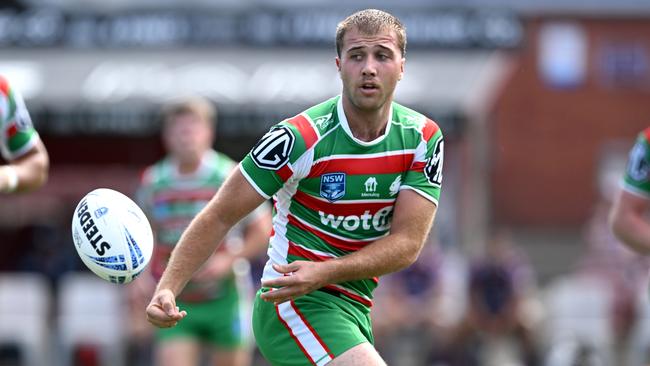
(637, 173)
(333, 193)
(171, 201)
(17, 134)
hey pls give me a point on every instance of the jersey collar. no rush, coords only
(346, 126)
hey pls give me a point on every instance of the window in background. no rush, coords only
(562, 57)
(624, 65)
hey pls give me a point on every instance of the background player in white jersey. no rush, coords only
(26, 156)
(172, 192)
(355, 182)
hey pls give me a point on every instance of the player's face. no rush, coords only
(370, 67)
(187, 136)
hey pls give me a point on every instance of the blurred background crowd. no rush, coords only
(540, 101)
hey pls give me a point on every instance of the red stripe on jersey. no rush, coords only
(646, 132)
(430, 129)
(302, 348)
(352, 245)
(304, 253)
(12, 130)
(306, 130)
(350, 295)
(284, 173)
(311, 329)
(4, 86)
(192, 195)
(301, 252)
(418, 166)
(376, 165)
(339, 208)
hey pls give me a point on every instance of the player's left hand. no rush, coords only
(300, 278)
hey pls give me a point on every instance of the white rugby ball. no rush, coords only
(112, 235)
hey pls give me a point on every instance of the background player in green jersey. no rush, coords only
(355, 182)
(26, 156)
(172, 192)
(628, 215)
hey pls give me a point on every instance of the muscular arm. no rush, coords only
(235, 199)
(411, 223)
(31, 169)
(628, 222)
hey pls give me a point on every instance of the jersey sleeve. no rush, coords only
(18, 135)
(425, 174)
(636, 179)
(271, 162)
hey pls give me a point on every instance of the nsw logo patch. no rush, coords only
(332, 186)
(273, 149)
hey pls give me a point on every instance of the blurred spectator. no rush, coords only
(415, 308)
(499, 324)
(172, 192)
(19, 145)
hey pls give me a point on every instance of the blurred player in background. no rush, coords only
(355, 182)
(26, 156)
(628, 215)
(172, 192)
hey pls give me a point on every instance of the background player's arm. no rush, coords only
(234, 200)
(30, 169)
(628, 221)
(255, 242)
(412, 220)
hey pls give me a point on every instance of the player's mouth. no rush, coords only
(369, 88)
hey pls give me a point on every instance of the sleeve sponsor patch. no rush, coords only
(638, 167)
(433, 167)
(274, 148)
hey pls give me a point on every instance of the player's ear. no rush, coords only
(338, 63)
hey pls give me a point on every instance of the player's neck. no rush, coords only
(187, 165)
(366, 125)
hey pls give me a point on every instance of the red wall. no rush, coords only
(545, 142)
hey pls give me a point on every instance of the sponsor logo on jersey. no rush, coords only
(332, 186)
(370, 186)
(323, 121)
(394, 187)
(380, 221)
(433, 168)
(273, 150)
(637, 167)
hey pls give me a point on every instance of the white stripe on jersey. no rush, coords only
(303, 334)
(314, 251)
(386, 200)
(252, 182)
(350, 291)
(334, 235)
(365, 156)
(279, 245)
(421, 193)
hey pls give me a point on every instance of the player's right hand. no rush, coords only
(162, 310)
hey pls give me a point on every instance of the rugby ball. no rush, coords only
(112, 235)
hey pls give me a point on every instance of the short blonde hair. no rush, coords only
(192, 105)
(371, 22)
